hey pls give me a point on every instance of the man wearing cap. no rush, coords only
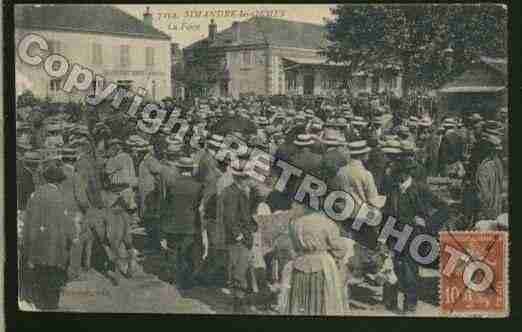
(149, 188)
(119, 167)
(111, 227)
(75, 198)
(356, 180)
(410, 203)
(239, 229)
(377, 162)
(306, 160)
(182, 229)
(211, 211)
(488, 179)
(335, 157)
(169, 170)
(451, 149)
(207, 170)
(25, 182)
(48, 233)
(89, 171)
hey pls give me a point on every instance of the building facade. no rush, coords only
(110, 42)
(267, 56)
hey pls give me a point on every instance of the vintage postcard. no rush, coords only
(263, 159)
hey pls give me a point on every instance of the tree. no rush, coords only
(204, 67)
(419, 38)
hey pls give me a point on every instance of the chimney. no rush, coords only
(235, 32)
(147, 18)
(212, 29)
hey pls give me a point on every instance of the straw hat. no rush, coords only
(215, 141)
(114, 141)
(304, 140)
(358, 147)
(359, 121)
(449, 123)
(333, 139)
(69, 153)
(76, 142)
(174, 147)
(32, 156)
(341, 123)
(185, 162)
(408, 146)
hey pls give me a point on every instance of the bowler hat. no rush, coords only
(53, 174)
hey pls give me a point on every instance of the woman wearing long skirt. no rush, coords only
(316, 285)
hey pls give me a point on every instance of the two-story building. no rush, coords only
(112, 43)
(268, 56)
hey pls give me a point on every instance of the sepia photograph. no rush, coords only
(262, 159)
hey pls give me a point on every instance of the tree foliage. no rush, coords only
(416, 37)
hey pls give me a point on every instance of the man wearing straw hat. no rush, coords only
(356, 180)
(489, 178)
(306, 160)
(149, 189)
(182, 229)
(207, 169)
(120, 166)
(335, 157)
(239, 229)
(75, 198)
(451, 149)
(89, 172)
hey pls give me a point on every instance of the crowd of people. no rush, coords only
(88, 177)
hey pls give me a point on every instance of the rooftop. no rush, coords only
(97, 18)
(276, 32)
(488, 75)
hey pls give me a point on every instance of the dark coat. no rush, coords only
(308, 162)
(451, 149)
(417, 200)
(376, 164)
(207, 169)
(25, 185)
(179, 212)
(331, 162)
(48, 228)
(89, 177)
(237, 216)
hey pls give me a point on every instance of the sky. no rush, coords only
(183, 24)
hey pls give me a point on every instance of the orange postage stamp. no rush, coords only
(474, 273)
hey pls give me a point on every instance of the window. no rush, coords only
(235, 58)
(394, 81)
(56, 84)
(124, 55)
(260, 57)
(247, 57)
(97, 54)
(291, 81)
(149, 56)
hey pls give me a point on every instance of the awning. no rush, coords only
(472, 89)
(312, 61)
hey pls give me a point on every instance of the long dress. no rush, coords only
(316, 286)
